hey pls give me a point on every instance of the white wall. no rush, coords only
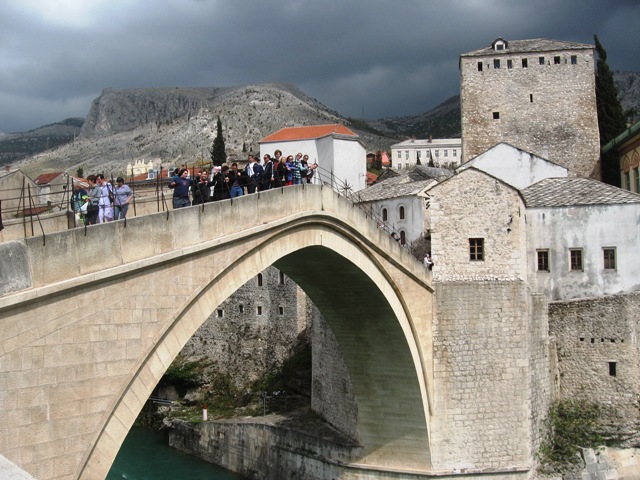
(515, 167)
(413, 224)
(590, 228)
(347, 159)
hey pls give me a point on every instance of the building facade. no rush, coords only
(627, 147)
(446, 152)
(336, 149)
(537, 95)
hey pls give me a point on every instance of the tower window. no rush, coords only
(403, 237)
(281, 311)
(476, 249)
(259, 310)
(531, 97)
(385, 215)
(281, 278)
(401, 212)
(496, 115)
(259, 279)
(612, 369)
(241, 308)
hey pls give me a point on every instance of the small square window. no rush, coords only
(479, 66)
(525, 63)
(496, 115)
(476, 249)
(574, 59)
(496, 63)
(556, 60)
(509, 63)
(220, 313)
(541, 60)
(609, 257)
(575, 255)
(543, 260)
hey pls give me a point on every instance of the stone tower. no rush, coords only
(537, 95)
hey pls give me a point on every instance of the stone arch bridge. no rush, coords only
(91, 318)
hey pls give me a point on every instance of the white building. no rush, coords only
(401, 202)
(443, 152)
(336, 149)
(514, 166)
(583, 238)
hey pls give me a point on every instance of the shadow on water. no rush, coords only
(146, 455)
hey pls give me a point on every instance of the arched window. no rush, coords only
(384, 215)
(259, 279)
(403, 237)
(401, 212)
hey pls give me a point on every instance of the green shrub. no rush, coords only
(570, 425)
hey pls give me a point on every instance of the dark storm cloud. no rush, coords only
(367, 58)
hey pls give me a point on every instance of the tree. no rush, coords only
(611, 117)
(218, 151)
(80, 172)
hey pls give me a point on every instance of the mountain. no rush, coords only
(441, 122)
(628, 85)
(176, 126)
(15, 146)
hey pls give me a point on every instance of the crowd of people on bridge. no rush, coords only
(230, 181)
(101, 202)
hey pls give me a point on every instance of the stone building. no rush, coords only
(537, 95)
(440, 151)
(627, 146)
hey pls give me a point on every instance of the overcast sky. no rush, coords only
(362, 58)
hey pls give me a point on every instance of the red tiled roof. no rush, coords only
(307, 133)
(371, 178)
(47, 178)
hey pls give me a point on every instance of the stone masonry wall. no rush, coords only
(548, 110)
(490, 374)
(598, 356)
(254, 330)
(332, 396)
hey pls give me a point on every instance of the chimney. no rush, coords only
(430, 139)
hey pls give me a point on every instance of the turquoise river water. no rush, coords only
(146, 455)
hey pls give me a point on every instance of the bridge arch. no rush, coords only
(378, 307)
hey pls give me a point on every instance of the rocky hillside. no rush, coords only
(628, 85)
(175, 126)
(15, 146)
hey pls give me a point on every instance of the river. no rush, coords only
(146, 455)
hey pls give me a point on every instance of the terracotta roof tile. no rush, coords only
(47, 177)
(307, 133)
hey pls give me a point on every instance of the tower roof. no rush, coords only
(528, 46)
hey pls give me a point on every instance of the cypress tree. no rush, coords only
(611, 117)
(218, 151)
